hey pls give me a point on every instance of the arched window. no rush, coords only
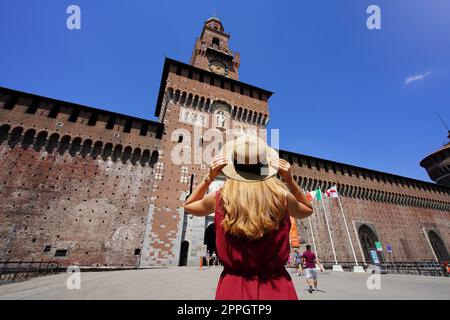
(215, 42)
(438, 246)
(170, 93)
(368, 238)
(195, 102)
(177, 96)
(183, 98)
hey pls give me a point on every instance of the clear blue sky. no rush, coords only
(340, 89)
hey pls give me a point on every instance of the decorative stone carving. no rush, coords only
(193, 117)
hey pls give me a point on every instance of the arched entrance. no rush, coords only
(368, 238)
(184, 249)
(438, 246)
(210, 238)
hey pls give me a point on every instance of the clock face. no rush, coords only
(218, 67)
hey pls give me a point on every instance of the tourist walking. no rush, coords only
(208, 258)
(309, 262)
(298, 263)
(214, 258)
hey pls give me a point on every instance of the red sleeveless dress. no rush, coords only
(253, 270)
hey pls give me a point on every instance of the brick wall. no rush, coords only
(398, 209)
(69, 186)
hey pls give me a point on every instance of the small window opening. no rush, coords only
(60, 253)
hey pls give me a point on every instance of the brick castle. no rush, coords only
(99, 189)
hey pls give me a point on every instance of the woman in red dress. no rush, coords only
(251, 219)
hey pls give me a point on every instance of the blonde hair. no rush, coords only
(253, 209)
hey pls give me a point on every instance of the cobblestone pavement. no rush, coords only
(192, 283)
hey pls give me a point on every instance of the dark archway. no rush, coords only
(4, 130)
(14, 138)
(98, 146)
(41, 139)
(52, 143)
(64, 144)
(87, 147)
(154, 158)
(107, 151)
(28, 138)
(76, 146)
(184, 253)
(438, 246)
(210, 238)
(368, 238)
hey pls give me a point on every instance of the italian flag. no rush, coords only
(316, 194)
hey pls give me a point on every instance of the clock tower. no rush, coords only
(211, 51)
(195, 102)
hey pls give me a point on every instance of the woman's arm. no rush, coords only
(297, 205)
(197, 203)
(297, 209)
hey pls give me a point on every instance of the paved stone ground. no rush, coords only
(192, 283)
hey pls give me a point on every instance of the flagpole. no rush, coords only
(312, 236)
(346, 227)
(328, 226)
(312, 231)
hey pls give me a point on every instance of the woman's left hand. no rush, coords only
(216, 166)
(284, 168)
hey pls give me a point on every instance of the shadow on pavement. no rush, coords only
(317, 290)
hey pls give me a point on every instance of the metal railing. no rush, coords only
(13, 271)
(426, 268)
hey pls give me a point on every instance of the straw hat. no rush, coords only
(248, 159)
